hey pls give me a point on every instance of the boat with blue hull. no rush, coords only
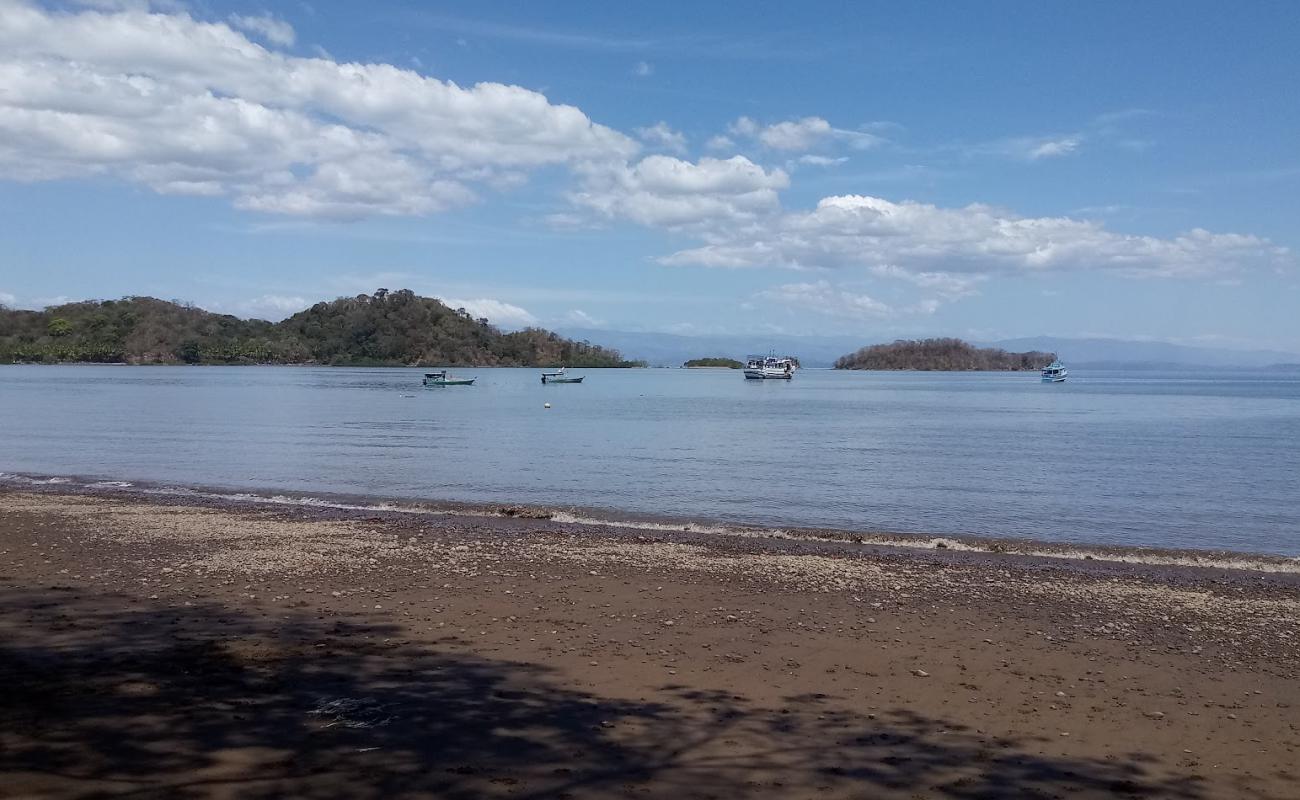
(1055, 372)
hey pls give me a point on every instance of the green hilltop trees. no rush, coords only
(729, 363)
(947, 355)
(386, 328)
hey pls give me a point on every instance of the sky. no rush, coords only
(990, 170)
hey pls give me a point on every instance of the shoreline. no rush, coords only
(202, 648)
(870, 540)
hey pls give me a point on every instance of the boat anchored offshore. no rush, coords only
(560, 376)
(443, 379)
(769, 368)
(1054, 372)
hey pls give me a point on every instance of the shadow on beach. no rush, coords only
(105, 696)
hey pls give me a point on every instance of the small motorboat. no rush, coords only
(1055, 372)
(769, 368)
(443, 379)
(560, 376)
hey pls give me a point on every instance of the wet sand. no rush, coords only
(154, 648)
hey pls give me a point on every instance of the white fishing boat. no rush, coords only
(442, 378)
(769, 368)
(561, 376)
(1054, 372)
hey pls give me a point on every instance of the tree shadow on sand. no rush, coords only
(98, 699)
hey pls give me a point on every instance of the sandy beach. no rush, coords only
(151, 647)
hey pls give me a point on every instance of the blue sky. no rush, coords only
(980, 170)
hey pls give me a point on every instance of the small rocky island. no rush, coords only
(728, 363)
(941, 355)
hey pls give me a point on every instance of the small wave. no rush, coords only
(1280, 564)
(33, 481)
(1276, 564)
(310, 501)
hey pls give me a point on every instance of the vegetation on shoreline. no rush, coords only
(947, 355)
(729, 363)
(384, 329)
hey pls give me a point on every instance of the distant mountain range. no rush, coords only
(671, 350)
(1122, 353)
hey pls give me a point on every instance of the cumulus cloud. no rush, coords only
(660, 135)
(795, 134)
(919, 238)
(497, 312)
(720, 142)
(192, 107)
(268, 27)
(668, 192)
(800, 134)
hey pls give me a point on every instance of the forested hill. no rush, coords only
(941, 355)
(729, 363)
(386, 328)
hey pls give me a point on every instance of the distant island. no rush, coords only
(397, 328)
(943, 355)
(729, 363)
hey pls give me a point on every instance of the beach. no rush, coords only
(163, 646)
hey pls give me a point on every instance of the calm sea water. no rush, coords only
(1172, 459)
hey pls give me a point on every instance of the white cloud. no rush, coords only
(268, 27)
(947, 285)
(795, 134)
(579, 317)
(743, 126)
(1028, 148)
(829, 300)
(662, 136)
(801, 134)
(720, 142)
(820, 161)
(643, 69)
(822, 297)
(273, 306)
(1051, 148)
(919, 238)
(668, 192)
(7, 299)
(497, 312)
(192, 107)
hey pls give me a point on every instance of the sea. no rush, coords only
(1192, 459)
